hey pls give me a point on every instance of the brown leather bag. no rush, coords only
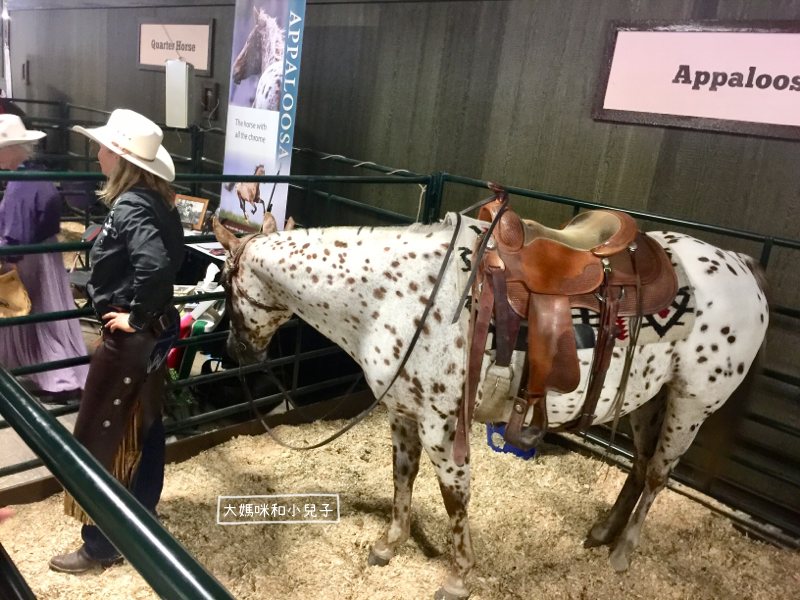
(14, 299)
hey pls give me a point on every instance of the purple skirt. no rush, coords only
(47, 282)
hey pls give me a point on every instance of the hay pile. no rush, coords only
(532, 551)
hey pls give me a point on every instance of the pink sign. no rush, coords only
(159, 42)
(750, 77)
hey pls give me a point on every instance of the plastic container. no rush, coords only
(494, 436)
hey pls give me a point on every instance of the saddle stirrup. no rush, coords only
(528, 436)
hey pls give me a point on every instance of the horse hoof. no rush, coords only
(596, 538)
(376, 561)
(620, 557)
(593, 542)
(443, 594)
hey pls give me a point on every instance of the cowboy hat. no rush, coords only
(136, 139)
(13, 132)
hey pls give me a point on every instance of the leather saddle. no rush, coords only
(598, 261)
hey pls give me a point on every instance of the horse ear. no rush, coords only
(255, 13)
(229, 241)
(269, 225)
(289, 224)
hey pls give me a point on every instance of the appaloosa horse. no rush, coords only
(366, 288)
(262, 55)
(250, 193)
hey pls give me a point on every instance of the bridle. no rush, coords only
(230, 283)
(232, 268)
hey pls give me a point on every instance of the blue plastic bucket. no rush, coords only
(494, 436)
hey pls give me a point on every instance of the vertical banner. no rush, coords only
(262, 102)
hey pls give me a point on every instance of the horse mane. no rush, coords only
(272, 39)
(446, 224)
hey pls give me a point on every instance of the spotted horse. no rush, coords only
(367, 288)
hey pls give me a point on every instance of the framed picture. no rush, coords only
(192, 210)
(741, 77)
(189, 41)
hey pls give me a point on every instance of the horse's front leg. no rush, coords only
(437, 438)
(406, 450)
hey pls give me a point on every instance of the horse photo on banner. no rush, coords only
(262, 101)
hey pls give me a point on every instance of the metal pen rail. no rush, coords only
(163, 562)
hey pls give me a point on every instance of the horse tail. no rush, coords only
(760, 274)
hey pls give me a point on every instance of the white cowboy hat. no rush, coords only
(136, 139)
(13, 132)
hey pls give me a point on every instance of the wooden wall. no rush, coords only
(503, 91)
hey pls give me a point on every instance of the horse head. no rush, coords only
(255, 311)
(248, 62)
(259, 170)
(264, 46)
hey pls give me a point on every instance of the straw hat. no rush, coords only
(136, 139)
(13, 132)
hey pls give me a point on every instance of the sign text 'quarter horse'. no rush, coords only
(366, 289)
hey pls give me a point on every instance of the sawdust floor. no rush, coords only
(528, 521)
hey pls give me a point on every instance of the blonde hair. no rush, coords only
(126, 175)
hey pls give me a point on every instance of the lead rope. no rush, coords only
(367, 411)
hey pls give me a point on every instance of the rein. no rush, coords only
(232, 267)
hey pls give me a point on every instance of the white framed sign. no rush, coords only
(191, 42)
(739, 78)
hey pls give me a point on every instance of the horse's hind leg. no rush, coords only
(646, 424)
(406, 450)
(682, 419)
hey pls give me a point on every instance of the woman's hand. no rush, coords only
(5, 513)
(117, 320)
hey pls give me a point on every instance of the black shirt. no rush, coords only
(136, 257)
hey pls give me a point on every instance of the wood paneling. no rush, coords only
(89, 57)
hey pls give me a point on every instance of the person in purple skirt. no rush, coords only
(30, 213)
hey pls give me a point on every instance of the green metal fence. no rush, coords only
(196, 179)
(163, 562)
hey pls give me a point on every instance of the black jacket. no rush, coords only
(136, 257)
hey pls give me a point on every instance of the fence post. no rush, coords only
(63, 141)
(766, 250)
(433, 198)
(196, 155)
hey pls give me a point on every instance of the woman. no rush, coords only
(134, 262)
(30, 213)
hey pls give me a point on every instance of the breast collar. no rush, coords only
(232, 268)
